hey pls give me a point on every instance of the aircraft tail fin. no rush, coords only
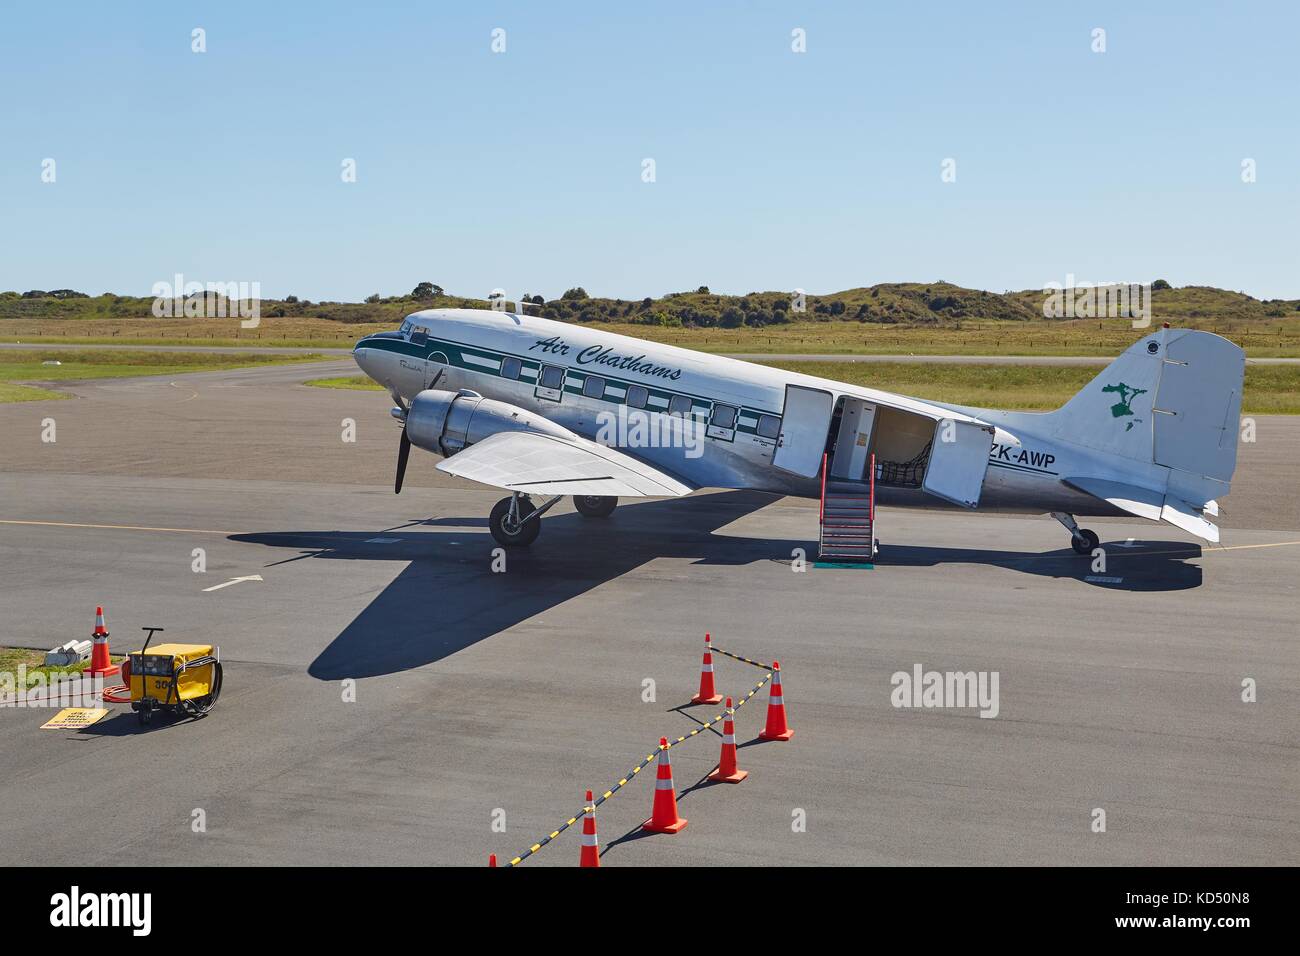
(1173, 398)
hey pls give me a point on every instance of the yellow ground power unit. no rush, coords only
(183, 679)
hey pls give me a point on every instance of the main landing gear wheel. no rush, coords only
(1085, 541)
(1081, 539)
(508, 525)
(594, 506)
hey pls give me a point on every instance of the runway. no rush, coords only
(484, 696)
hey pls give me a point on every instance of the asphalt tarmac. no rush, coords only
(391, 698)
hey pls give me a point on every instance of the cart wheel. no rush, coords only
(144, 715)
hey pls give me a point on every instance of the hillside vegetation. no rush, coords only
(891, 317)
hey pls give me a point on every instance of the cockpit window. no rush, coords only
(420, 336)
(406, 327)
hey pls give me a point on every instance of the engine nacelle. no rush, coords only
(445, 422)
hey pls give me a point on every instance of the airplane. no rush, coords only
(539, 407)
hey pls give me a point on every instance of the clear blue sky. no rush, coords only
(522, 170)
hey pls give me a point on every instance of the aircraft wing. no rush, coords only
(533, 462)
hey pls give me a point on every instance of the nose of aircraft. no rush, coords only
(364, 357)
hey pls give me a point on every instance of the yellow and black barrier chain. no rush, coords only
(645, 761)
(743, 660)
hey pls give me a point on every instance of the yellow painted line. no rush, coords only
(114, 527)
(1247, 547)
(1205, 549)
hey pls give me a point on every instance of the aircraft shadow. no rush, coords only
(1143, 566)
(447, 598)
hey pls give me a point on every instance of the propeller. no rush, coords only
(403, 453)
(404, 445)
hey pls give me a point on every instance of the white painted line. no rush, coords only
(247, 577)
(115, 527)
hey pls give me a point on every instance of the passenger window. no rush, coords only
(510, 368)
(552, 377)
(593, 387)
(637, 396)
(724, 416)
(679, 405)
(769, 426)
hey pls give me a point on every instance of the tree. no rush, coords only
(291, 299)
(1159, 284)
(702, 290)
(372, 299)
(426, 290)
(577, 292)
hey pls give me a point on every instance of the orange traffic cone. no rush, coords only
(727, 771)
(707, 694)
(777, 728)
(664, 818)
(590, 848)
(101, 664)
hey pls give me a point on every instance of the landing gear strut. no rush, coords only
(1082, 540)
(515, 522)
(594, 506)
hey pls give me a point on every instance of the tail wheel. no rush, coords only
(508, 530)
(594, 506)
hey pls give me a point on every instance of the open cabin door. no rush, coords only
(804, 425)
(959, 457)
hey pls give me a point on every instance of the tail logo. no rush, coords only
(1124, 406)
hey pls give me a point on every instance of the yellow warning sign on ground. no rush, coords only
(74, 718)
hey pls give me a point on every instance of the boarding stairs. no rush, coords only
(848, 519)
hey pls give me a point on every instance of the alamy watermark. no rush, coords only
(179, 299)
(1078, 299)
(636, 428)
(924, 689)
(57, 689)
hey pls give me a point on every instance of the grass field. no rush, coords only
(1262, 334)
(18, 367)
(358, 382)
(34, 661)
(1270, 389)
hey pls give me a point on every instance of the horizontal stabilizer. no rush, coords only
(531, 462)
(1152, 505)
(1142, 502)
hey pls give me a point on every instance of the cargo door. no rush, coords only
(959, 457)
(804, 426)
